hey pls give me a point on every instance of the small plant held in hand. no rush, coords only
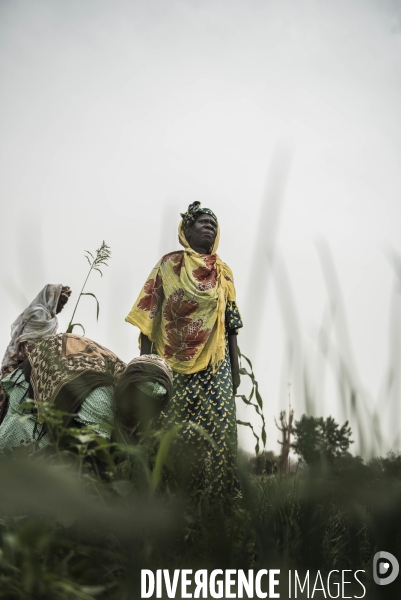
(95, 262)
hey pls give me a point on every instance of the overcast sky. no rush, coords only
(282, 116)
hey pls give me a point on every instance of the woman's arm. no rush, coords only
(146, 345)
(233, 351)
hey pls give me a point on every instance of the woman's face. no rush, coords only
(202, 234)
(137, 407)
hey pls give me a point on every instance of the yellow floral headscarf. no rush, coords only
(181, 307)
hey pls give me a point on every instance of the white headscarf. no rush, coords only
(37, 321)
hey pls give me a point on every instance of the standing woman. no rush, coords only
(187, 314)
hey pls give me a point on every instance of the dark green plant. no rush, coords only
(258, 405)
(101, 257)
(317, 438)
(67, 533)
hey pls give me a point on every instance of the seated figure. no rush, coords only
(36, 322)
(89, 384)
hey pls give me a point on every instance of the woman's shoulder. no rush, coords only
(171, 256)
(227, 272)
(15, 376)
(173, 260)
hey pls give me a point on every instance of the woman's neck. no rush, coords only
(200, 250)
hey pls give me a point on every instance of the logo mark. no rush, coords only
(385, 568)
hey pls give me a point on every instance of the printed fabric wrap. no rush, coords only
(60, 359)
(181, 307)
(35, 322)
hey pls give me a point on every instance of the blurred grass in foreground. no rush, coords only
(65, 533)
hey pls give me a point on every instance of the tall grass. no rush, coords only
(96, 261)
(67, 533)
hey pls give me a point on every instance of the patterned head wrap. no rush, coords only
(36, 322)
(151, 362)
(152, 389)
(193, 211)
(65, 368)
(188, 219)
(151, 374)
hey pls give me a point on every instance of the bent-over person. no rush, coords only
(90, 385)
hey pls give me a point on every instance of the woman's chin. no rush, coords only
(208, 241)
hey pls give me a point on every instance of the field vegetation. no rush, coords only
(68, 533)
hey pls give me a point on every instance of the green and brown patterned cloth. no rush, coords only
(206, 399)
(63, 358)
(20, 425)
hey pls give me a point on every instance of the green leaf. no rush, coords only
(258, 397)
(25, 418)
(71, 327)
(245, 399)
(95, 590)
(97, 302)
(247, 424)
(199, 429)
(84, 439)
(162, 454)
(249, 403)
(122, 487)
(100, 258)
(73, 590)
(248, 361)
(264, 436)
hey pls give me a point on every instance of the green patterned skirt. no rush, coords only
(205, 399)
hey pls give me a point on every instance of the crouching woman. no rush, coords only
(89, 386)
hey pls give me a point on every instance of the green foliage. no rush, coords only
(101, 257)
(69, 530)
(257, 406)
(264, 463)
(318, 439)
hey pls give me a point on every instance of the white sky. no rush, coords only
(116, 115)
